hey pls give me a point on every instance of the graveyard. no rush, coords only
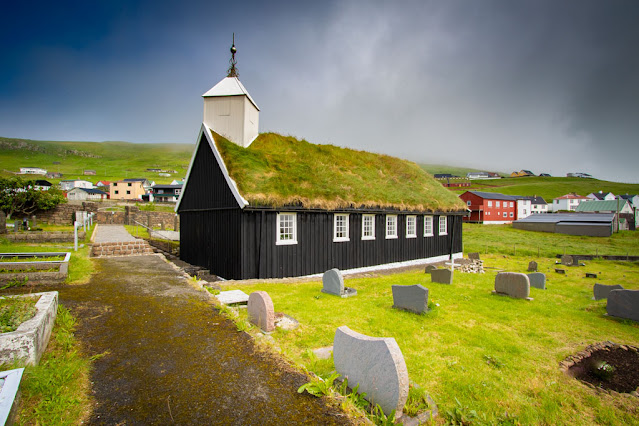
(488, 356)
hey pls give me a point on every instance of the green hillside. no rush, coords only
(111, 160)
(453, 170)
(549, 187)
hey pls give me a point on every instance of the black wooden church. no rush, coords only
(267, 206)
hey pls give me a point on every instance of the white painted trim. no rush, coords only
(337, 239)
(405, 263)
(206, 131)
(497, 222)
(439, 225)
(368, 238)
(413, 235)
(279, 242)
(390, 236)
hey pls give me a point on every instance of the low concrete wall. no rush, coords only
(35, 277)
(30, 340)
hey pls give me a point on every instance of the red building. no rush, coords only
(490, 207)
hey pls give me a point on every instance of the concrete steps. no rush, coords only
(138, 247)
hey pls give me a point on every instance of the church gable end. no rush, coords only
(206, 187)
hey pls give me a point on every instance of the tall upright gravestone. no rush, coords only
(513, 284)
(333, 283)
(3, 223)
(413, 298)
(376, 364)
(623, 304)
(260, 311)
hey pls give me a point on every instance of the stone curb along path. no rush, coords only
(168, 357)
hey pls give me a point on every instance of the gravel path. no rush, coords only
(112, 234)
(168, 357)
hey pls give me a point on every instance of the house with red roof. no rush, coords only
(568, 202)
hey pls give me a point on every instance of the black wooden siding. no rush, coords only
(206, 187)
(315, 251)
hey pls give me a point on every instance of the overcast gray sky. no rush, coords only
(549, 86)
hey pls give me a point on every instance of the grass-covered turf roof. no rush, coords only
(279, 171)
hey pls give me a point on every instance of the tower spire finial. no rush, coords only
(232, 72)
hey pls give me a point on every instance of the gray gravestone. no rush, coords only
(413, 298)
(623, 304)
(513, 284)
(16, 225)
(233, 297)
(442, 276)
(537, 280)
(333, 283)
(34, 221)
(260, 311)
(430, 268)
(376, 364)
(601, 291)
(560, 271)
(3, 222)
(473, 256)
(532, 266)
(591, 275)
(567, 260)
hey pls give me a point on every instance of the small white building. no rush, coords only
(568, 202)
(84, 194)
(32, 171)
(68, 185)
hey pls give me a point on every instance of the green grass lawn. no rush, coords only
(495, 355)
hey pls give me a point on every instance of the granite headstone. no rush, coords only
(442, 276)
(513, 284)
(260, 311)
(375, 364)
(413, 298)
(623, 304)
(532, 266)
(333, 283)
(537, 280)
(601, 291)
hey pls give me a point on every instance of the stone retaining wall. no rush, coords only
(129, 248)
(133, 214)
(64, 214)
(44, 237)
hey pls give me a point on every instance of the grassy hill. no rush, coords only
(549, 187)
(453, 170)
(111, 160)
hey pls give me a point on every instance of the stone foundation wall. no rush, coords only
(137, 247)
(132, 214)
(44, 237)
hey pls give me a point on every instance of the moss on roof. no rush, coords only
(279, 171)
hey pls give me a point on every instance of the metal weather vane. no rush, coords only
(232, 72)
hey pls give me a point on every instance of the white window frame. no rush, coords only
(428, 230)
(497, 204)
(411, 233)
(511, 214)
(512, 204)
(490, 203)
(505, 214)
(279, 241)
(393, 232)
(346, 228)
(370, 217)
(443, 230)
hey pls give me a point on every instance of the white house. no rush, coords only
(568, 202)
(601, 196)
(68, 185)
(230, 110)
(538, 205)
(524, 207)
(83, 194)
(32, 171)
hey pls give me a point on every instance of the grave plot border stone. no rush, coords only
(537, 280)
(560, 271)
(411, 298)
(442, 276)
(601, 291)
(590, 275)
(232, 297)
(260, 311)
(31, 338)
(376, 364)
(333, 283)
(623, 304)
(512, 284)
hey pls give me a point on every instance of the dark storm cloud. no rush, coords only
(550, 86)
